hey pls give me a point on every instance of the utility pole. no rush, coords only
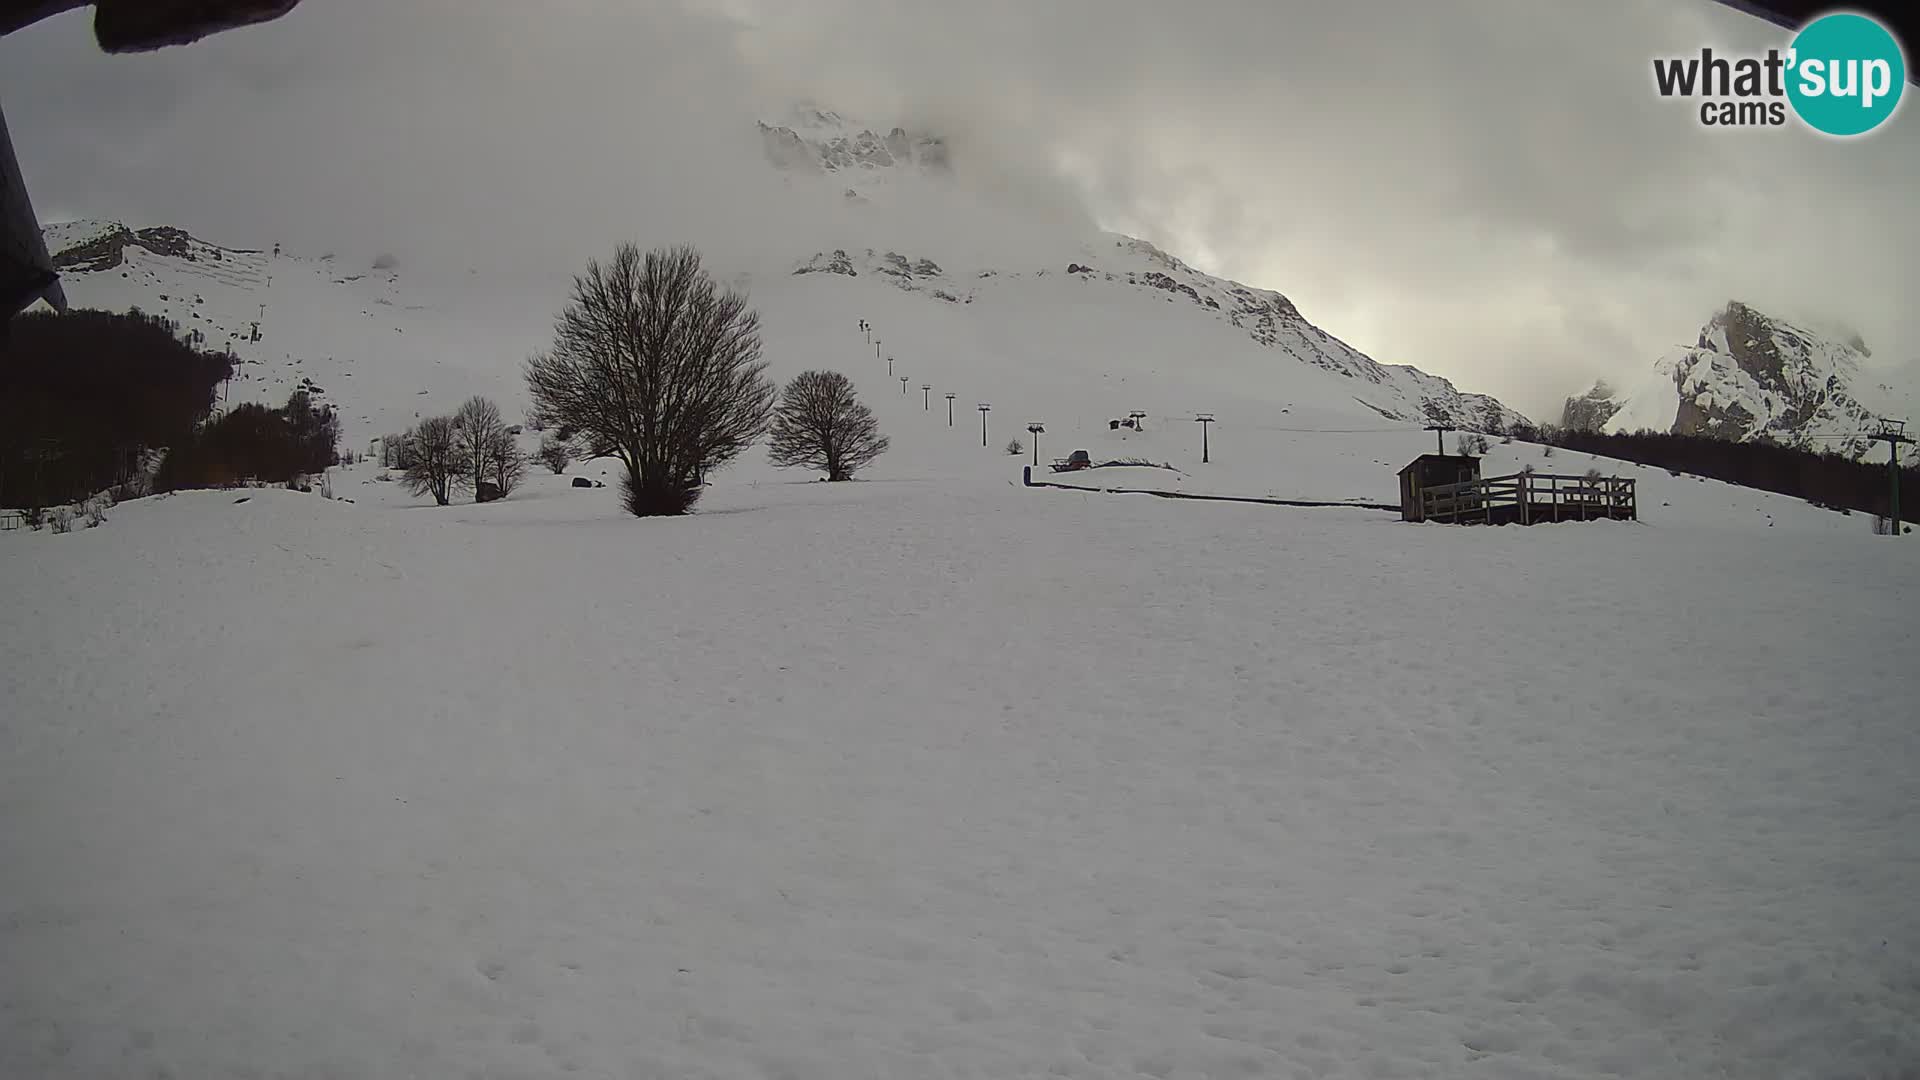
(926, 393)
(984, 407)
(1203, 420)
(1893, 433)
(1036, 429)
(1440, 436)
(950, 398)
(903, 386)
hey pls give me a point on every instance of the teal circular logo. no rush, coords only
(1845, 74)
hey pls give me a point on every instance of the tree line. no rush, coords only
(86, 395)
(254, 442)
(1823, 478)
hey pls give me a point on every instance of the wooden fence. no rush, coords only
(1531, 499)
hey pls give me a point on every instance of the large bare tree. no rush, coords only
(434, 466)
(653, 364)
(819, 423)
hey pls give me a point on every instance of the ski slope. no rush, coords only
(945, 777)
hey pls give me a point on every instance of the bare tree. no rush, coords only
(820, 424)
(478, 430)
(506, 465)
(434, 465)
(554, 454)
(653, 364)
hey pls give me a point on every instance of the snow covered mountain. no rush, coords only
(821, 141)
(1394, 391)
(872, 166)
(1748, 376)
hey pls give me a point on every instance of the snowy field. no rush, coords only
(951, 779)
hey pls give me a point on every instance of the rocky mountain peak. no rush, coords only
(1750, 375)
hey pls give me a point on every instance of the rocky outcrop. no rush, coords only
(1590, 411)
(852, 151)
(108, 248)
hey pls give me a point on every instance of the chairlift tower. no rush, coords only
(950, 398)
(1204, 420)
(1893, 433)
(926, 391)
(984, 409)
(1036, 429)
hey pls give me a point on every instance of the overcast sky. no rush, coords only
(1488, 189)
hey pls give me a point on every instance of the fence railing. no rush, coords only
(1531, 498)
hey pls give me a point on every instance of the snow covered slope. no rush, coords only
(1750, 376)
(916, 779)
(296, 322)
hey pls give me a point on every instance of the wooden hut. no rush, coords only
(1430, 470)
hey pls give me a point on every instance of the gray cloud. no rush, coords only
(1486, 188)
